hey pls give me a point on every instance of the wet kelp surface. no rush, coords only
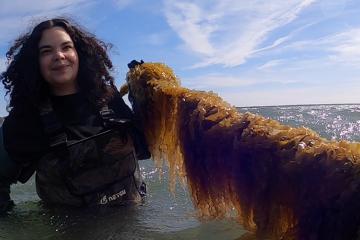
(281, 182)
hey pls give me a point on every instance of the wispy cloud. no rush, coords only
(122, 4)
(224, 81)
(271, 64)
(17, 15)
(216, 81)
(333, 8)
(229, 32)
(157, 38)
(294, 96)
(193, 24)
(337, 49)
(19, 7)
(345, 47)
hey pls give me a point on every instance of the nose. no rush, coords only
(59, 55)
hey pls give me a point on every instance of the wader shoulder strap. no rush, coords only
(53, 128)
(110, 120)
(106, 114)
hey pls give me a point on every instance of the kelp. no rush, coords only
(282, 182)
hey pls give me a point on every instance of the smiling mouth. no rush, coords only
(60, 68)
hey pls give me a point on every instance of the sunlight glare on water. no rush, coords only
(334, 122)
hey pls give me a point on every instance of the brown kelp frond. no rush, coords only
(155, 90)
(124, 89)
(283, 182)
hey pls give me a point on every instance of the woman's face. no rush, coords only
(59, 62)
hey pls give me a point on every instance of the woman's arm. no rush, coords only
(123, 111)
(22, 143)
(8, 172)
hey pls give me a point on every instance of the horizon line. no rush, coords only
(301, 105)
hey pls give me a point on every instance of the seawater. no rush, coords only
(333, 122)
(163, 215)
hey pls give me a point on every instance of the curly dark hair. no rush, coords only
(23, 80)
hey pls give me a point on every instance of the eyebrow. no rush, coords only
(62, 44)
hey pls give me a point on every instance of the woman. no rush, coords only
(67, 121)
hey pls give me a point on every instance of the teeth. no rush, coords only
(60, 67)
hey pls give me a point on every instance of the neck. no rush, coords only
(64, 90)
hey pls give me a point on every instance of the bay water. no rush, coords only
(163, 215)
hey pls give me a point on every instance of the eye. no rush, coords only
(67, 47)
(44, 51)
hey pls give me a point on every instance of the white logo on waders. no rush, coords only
(105, 200)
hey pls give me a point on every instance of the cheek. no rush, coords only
(75, 59)
(43, 67)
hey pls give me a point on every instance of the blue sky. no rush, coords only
(250, 52)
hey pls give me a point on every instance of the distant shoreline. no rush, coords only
(303, 105)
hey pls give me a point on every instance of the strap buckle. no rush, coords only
(59, 140)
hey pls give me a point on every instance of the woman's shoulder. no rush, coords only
(23, 134)
(22, 113)
(21, 122)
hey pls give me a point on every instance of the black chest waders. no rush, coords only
(101, 170)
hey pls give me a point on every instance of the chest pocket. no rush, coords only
(99, 162)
